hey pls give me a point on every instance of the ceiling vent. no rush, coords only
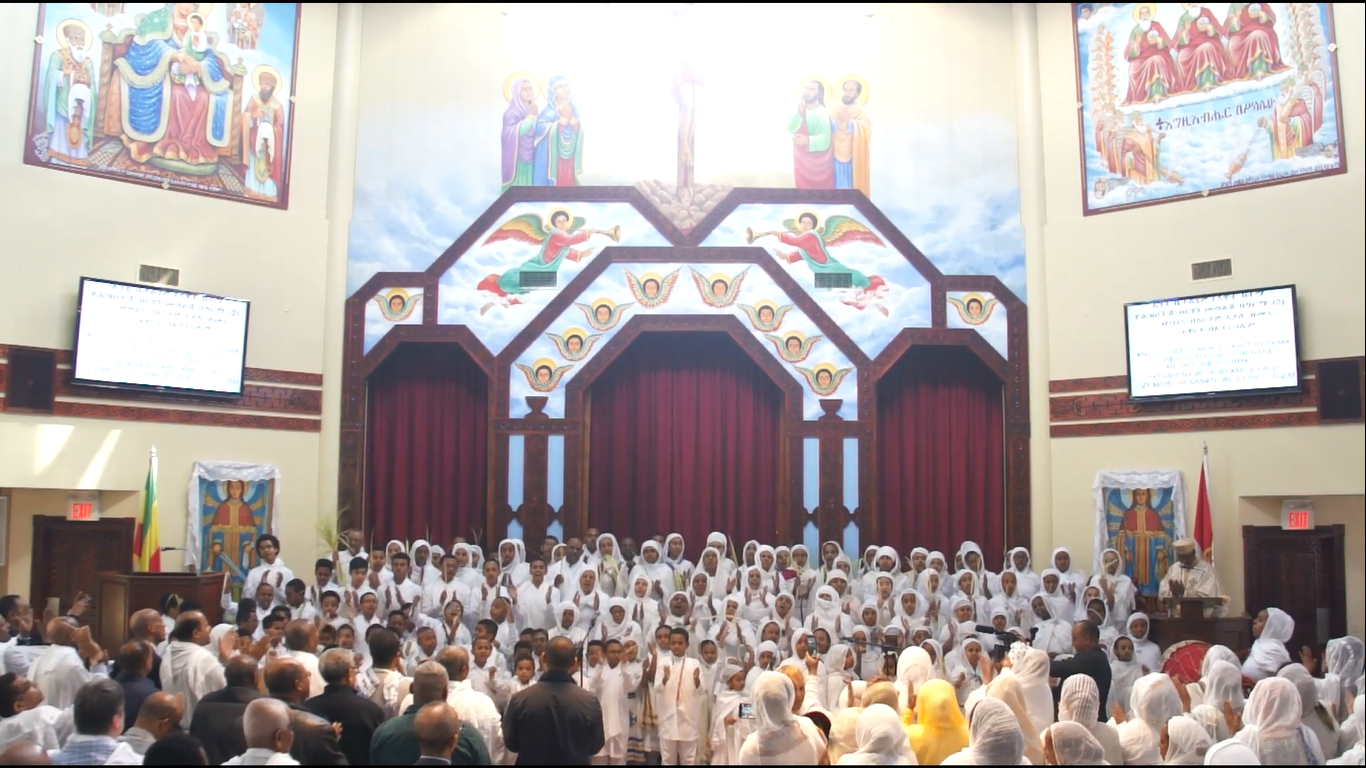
(1219, 269)
(148, 273)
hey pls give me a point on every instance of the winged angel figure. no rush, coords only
(555, 240)
(650, 290)
(813, 243)
(718, 291)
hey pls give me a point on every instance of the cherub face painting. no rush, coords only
(823, 378)
(794, 346)
(543, 375)
(574, 344)
(651, 288)
(766, 315)
(602, 313)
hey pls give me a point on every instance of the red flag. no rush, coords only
(1204, 531)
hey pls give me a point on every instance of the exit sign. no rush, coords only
(1297, 514)
(83, 506)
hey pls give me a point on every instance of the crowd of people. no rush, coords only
(602, 651)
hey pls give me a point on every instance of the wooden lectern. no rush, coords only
(1185, 619)
(118, 595)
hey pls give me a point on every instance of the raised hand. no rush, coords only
(444, 597)
(1117, 713)
(910, 697)
(373, 580)
(80, 606)
(227, 644)
(667, 670)
(697, 677)
(1181, 693)
(559, 581)
(1307, 658)
(1233, 719)
(279, 578)
(812, 664)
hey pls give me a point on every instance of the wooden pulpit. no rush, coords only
(1191, 618)
(118, 595)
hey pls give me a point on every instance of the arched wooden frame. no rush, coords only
(575, 508)
(830, 429)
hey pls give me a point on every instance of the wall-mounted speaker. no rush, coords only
(30, 381)
(1341, 391)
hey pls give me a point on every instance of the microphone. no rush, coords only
(173, 549)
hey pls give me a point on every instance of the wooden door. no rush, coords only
(67, 555)
(1303, 574)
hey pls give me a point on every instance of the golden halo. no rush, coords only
(827, 367)
(512, 80)
(203, 9)
(603, 302)
(829, 90)
(1152, 10)
(655, 276)
(266, 69)
(762, 303)
(813, 215)
(718, 276)
(863, 94)
(544, 362)
(574, 331)
(392, 292)
(550, 220)
(62, 34)
(550, 93)
(969, 297)
(798, 335)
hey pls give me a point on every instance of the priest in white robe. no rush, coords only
(190, 667)
(1191, 576)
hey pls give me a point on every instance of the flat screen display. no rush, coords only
(1242, 342)
(145, 337)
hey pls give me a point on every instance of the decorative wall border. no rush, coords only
(1103, 404)
(292, 394)
(1013, 369)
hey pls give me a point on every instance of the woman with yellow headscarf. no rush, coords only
(938, 729)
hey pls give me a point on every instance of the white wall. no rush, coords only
(60, 226)
(1308, 233)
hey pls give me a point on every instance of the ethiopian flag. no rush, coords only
(147, 542)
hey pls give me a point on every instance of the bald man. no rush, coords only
(146, 625)
(62, 669)
(217, 721)
(315, 741)
(24, 752)
(268, 727)
(358, 716)
(438, 729)
(158, 717)
(396, 743)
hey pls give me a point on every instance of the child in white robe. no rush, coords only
(678, 699)
(1146, 651)
(487, 674)
(568, 624)
(614, 679)
(1051, 636)
(1124, 672)
(732, 717)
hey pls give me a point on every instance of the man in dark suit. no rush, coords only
(339, 703)
(135, 662)
(1089, 660)
(554, 722)
(217, 720)
(438, 729)
(315, 740)
(145, 625)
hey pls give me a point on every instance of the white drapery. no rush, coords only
(1127, 481)
(218, 472)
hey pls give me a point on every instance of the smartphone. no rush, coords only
(54, 604)
(811, 645)
(746, 711)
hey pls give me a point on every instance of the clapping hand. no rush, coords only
(1117, 714)
(227, 644)
(373, 580)
(1307, 659)
(667, 670)
(910, 697)
(697, 677)
(279, 578)
(1233, 719)
(1178, 589)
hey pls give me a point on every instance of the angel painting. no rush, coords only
(555, 240)
(813, 243)
(824, 378)
(650, 290)
(603, 314)
(543, 375)
(793, 346)
(973, 308)
(766, 316)
(718, 291)
(574, 344)
(397, 304)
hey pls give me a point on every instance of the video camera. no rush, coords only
(1004, 640)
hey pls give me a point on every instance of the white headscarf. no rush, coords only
(1356, 755)
(1026, 580)
(614, 630)
(1187, 742)
(994, 737)
(1058, 602)
(657, 572)
(779, 737)
(1073, 744)
(679, 564)
(1146, 651)
(913, 668)
(1079, 700)
(1268, 651)
(1223, 683)
(1272, 728)
(1313, 715)
(1344, 659)
(881, 739)
(1006, 689)
(1032, 672)
(1154, 702)
(1212, 720)
(1231, 752)
(420, 573)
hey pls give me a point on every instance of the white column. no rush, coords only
(341, 178)
(1033, 217)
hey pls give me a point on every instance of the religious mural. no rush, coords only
(1141, 525)
(685, 105)
(390, 307)
(868, 288)
(194, 97)
(232, 514)
(1182, 99)
(742, 291)
(980, 312)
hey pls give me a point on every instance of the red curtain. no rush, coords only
(426, 445)
(941, 452)
(684, 437)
